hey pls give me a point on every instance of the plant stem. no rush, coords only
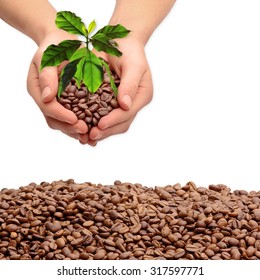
(87, 42)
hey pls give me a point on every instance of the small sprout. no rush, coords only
(83, 65)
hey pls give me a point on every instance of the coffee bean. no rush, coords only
(106, 78)
(256, 213)
(81, 116)
(64, 101)
(61, 242)
(88, 120)
(4, 205)
(250, 251)
(83, 106)
(191, 248)
(77, 99)
(53, 227)
(80, 93)
(166, 231)
(71, 89)
(100, 254)
(11, 227)
(102, 111)
(93, 108)
(128, 221)
(215, 188)
(103, 104)
(233, 241)
(77, 241)
(94, 121)
(179, 253)
(125, 255)
(96, 115)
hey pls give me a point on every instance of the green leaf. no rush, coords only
(71, 23)
(114, 31)
(79, 72)
(82, 52)
(103, 43)
(55, 54)
(92, 72)
(112, 82)
(66, 75)
(91, 26)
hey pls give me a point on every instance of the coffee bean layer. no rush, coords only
(90, 107)
(66, 220)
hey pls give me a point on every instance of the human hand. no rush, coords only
(135, 90)
(43, 87)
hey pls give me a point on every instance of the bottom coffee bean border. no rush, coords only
(68, 220)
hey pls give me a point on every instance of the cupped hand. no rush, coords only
(135, 90)
(43, 87)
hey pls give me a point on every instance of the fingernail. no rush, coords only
(128, 101)
(98, 136)
(104, 127)
(79, 131)
(46, 92)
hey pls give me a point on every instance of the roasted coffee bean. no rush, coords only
(103, 104)
(96, 115)
(81, 116)
(191, 248)
(80, 93)
(233, 241)
(76, 99)
(88, 120)
(256, 213)
(179, 253)
(71, 89)
(11, 227)
(102, 111)
(100, 254)
(94, 121)
(55, 226)
(64, 101)
(83, 106)
(114, 103)
(60, 242)
(75, 109)
(93, 108)
(65, 220)
(4, 205)
(165, 231)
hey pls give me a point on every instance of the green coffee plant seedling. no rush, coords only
(83, 65)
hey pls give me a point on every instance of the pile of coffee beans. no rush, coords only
(65, 220)
(90, 107)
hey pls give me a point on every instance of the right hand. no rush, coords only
(43, 87)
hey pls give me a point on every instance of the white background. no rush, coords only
(203, 122)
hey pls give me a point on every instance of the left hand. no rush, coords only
(135, 90)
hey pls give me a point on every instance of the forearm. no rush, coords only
(141, 16)
(34, 18)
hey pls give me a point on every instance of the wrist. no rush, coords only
(54, 36)
(41, 34)
(138, 32)
(141, 17)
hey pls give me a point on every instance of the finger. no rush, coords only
(48, 79)
(115, 117)
(143, 97)
(130, 79)
(97, 135)
(79, 128)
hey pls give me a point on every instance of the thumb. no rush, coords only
(128, 88)
(48, 80)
